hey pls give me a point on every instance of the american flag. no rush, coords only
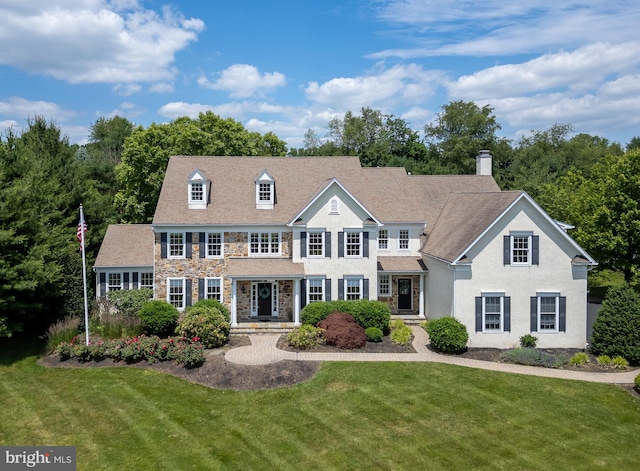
(82, 227)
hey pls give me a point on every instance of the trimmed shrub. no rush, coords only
(64, 330)
(206, 323)
(305, 337)
(401, 333)
(528, 341)
(214, 303)
(533, 357)
(447, 334)
(128, 302)
(366, 313)
(616, 330)
(158, 317)
(579, 359)
(341, 330)
(373, 334)
(636, 383)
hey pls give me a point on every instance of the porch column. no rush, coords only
(421, 309)
(296, 302)
(234, 303)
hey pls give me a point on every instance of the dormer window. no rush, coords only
(197, 190)
(265, 191)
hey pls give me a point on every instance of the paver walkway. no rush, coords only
(263, 351)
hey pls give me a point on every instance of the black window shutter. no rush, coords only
(507, 314)
(365, 288)
(103, 284)
(341, 288)
(189, 239)
(200, 288)
(202, 245)
(327, 289)
(327, 244)
(563, 314)
(163, 245)
(534, 314)
(135, 280)
(340, 244)
(303, 244)
(365, 244)
(506, 250)
(187, 295)
(303, 293)
(535, 250)
(125, 280)
(478, 313)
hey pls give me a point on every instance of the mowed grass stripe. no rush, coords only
(349, 416)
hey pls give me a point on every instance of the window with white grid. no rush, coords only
(353, 244)
(176, 245)
(383, 239)
(384, 285)
(315, 241)
(403, 239)
(214, 245)
(214, 288)
(267, 243)
(316, 290)
(175, 292)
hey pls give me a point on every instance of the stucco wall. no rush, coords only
(438, 289)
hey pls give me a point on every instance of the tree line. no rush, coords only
(584, 180)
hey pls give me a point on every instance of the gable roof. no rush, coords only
(463, 218)
(138, 240)
(388, 193)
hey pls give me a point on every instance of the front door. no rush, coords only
(404, 294)
(265, 304)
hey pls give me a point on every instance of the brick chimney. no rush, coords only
(484, 163)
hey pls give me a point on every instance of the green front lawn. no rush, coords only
(350, 416)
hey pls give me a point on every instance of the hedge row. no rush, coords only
(367, 313)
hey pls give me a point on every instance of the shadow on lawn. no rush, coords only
(19, 347)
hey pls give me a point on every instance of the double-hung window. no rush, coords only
(353, 289)
(403, 239)
(493, 313)
(115, 282)
(383, 239)
(315, 287)
(214, 288)
(264, 243)
(384, 285)
(353, 244)
(265, 192)
(176, 292)
(196, 194)
(176, 245)
(315, 241)
(214, 245)
(548, 312)
(521, 249)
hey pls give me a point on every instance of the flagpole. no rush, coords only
(84, 277)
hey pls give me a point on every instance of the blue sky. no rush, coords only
(287, 66)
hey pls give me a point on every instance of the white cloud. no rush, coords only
(162, 87)
(581, 69)
(381, 87)
(494, 27)
(177, 109)
(92, 41)
(243, 80)
(126, 89)
(18, 106)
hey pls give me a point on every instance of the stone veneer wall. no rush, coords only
(392, 301)
(235, 245)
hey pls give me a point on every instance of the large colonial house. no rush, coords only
(268, 235)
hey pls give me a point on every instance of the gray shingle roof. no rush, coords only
(126, 245)
(462, 219)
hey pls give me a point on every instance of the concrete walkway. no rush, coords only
(263, 351)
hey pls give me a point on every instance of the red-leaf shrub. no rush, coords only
(341, 330)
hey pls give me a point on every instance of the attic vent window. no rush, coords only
(197, 190)
(265, 191)
(334, 208)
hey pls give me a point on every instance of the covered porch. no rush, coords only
(265, 292)
(401, 285)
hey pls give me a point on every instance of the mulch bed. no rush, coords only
(218, 373)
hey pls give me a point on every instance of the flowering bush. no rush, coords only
(206, 322)
(188, 352)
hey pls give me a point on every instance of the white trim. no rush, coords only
(352, 278)
(274, 297)
(221, 286)
(408, 240)
(347, 232)
(184, 245)
(381, 284)
(334, 181)
(260, 242)
(544, 215)
(322, 238)
(183, 292)
(385, 249)
(520, 235)
(556, 297)
(108, 282)
(321, 281)
(486, 295)
(206, 243)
